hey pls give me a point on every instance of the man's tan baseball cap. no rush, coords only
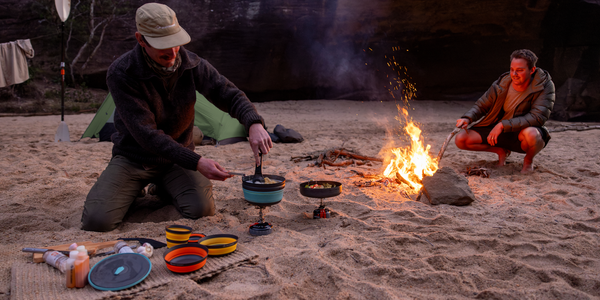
(158, 24)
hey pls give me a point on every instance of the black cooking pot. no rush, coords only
(335, 190)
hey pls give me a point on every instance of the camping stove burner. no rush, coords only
(308, 189)
(322, 212)
(261, 227)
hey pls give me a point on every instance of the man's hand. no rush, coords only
(463, 123)
(259, 141)
(492, 138)
(212, 170)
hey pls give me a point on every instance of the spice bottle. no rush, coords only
(70, 269)
(82, 267)
(56, 259)
(122, 247)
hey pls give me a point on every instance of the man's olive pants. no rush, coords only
(121, 182)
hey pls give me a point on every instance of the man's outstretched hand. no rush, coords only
(463, 123)
(212, 170)
(259, 141)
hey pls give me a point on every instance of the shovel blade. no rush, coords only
(62, 133)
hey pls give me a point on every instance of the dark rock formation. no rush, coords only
(310, 49)
(571, 51)
(447, 187)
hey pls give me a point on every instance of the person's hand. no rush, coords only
(259, 141)
(492, 138)
(463, 123)
(212, 170)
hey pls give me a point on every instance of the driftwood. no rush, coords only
(574, 128)
(483, 172)
(330, 158)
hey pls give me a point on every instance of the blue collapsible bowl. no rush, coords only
(263, 194)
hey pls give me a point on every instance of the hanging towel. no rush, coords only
(13, 62)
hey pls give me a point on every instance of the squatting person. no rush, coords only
(154, 89)
(512, 113)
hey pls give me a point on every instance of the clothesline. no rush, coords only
(42, 36)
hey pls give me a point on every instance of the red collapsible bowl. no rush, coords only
(186, 258)
(195, 237)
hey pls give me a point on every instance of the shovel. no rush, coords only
(62, 133)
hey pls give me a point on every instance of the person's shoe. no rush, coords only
(152, 189)
(142, 193)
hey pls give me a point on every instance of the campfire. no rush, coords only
(410, 164)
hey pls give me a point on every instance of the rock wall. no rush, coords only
(311, 49)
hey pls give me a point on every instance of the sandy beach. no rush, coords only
(534, 236)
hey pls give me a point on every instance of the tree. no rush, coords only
(100, 13)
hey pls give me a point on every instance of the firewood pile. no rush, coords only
(337, 158)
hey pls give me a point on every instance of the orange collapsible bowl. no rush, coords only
(220, 244)
(186, 258)
(195, 237)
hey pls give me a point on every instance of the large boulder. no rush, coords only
(447, 187)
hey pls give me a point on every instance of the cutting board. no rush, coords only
(90, 246)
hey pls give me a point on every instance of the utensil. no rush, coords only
(237, 173)
(258, 177)
(43, 250)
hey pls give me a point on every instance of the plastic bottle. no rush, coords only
(82, 267)
(122, 247)
(73, 247)
(56, 259)
(70, 269)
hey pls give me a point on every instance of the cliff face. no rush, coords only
(303, 49)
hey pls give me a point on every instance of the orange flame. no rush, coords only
(412, 163)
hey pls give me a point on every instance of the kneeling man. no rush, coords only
(512, 113)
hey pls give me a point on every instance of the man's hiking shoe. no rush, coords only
(142, 193)
(152, 189)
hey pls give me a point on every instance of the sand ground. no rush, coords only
(534, 236)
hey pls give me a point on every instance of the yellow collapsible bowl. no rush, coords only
(171, 243)
(219, 244)
(177, 234)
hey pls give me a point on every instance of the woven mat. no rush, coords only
(41, 281)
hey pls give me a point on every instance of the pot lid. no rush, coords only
(119, 271)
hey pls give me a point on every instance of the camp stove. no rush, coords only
(262, 192)
(321, 190)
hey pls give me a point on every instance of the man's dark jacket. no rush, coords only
(534, 110)
(154, 125)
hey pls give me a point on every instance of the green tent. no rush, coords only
(212, 121)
